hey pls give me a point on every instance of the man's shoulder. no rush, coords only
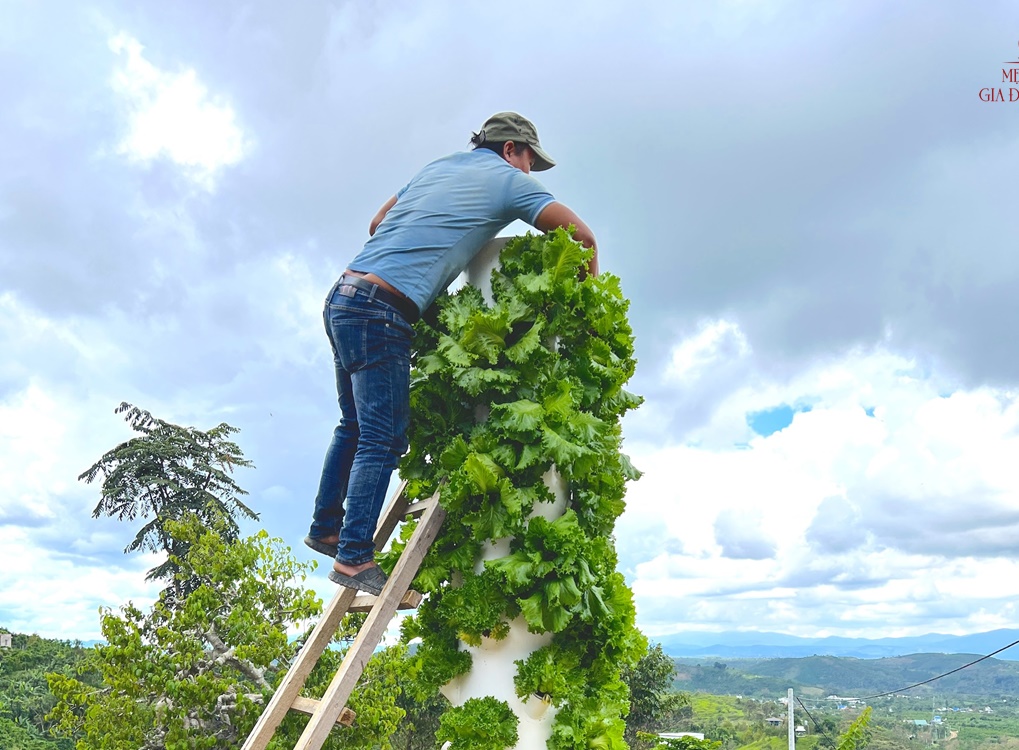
(478, 158)
(481, 166)
(479, 171)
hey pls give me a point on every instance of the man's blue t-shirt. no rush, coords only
(442, 218)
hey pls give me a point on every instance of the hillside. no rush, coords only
(25, 699)
(829, 675)
(898, 724)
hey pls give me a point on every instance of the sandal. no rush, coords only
(370, 580)
(318, 545)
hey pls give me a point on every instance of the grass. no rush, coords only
(716, 707)
(983, 730)
(782, 743)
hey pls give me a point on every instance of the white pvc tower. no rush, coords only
(493, 669)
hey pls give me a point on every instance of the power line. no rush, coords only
(817, 726)
(829, 740)
(932, 679)
(831, 743)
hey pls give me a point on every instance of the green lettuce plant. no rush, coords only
(479, 724)
(500, 394)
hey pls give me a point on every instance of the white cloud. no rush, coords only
(59, 564)
(29, 422)
(61, 378)
(835, 527)
(851, 514)
(118, 283)
(46, 593)
(741, 536)
(715, 340)
(171, 114)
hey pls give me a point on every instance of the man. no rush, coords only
(421, 239)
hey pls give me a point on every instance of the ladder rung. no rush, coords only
(364, 602)
(308, 706)
(416, 509)
(331, 710)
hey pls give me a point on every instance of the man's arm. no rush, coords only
(555, 215)
(381, 215)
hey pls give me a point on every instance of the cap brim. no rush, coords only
(542, 161)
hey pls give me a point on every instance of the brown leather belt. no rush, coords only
(403, 305)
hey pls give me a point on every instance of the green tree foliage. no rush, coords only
(14, 736)
(857, 736)
(168, 474)
(500, 394)
(652, 700)
(827, 675)
(681, 743)
(423, 712)
(197, 674)
(826, 725)
(25, 699)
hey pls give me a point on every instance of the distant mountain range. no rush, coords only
(753, 645)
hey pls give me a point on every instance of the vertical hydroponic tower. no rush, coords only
(516, 401)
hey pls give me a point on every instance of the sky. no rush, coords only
(811, 207)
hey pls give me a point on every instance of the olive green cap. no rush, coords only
(509, 126)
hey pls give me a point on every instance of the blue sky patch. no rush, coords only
(770, 421)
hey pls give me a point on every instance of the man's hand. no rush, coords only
(556, 215)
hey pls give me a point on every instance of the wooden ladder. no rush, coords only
(396, 594)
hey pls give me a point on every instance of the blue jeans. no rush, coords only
(371, 353)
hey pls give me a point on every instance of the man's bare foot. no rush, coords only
(364, 577)
(352, 570)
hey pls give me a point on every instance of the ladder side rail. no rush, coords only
(289, 689)
(395, 512)
(372, 632)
